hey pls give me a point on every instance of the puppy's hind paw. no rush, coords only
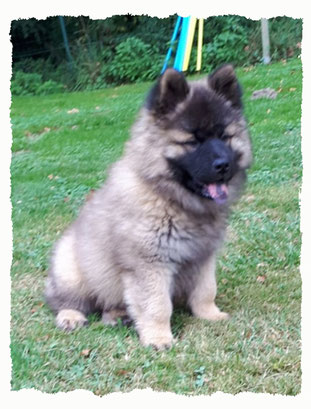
(69, 320)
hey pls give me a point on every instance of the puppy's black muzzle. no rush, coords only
(213, 161)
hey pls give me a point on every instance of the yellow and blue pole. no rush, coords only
(179, 59)
(200, 43)
(173, 39)
(182, 58)
(189, 42)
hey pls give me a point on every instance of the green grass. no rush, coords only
(59, 156)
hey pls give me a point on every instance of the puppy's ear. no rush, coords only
(224, 82)
(171, 89)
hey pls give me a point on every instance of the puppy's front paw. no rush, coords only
(218, 316)
(157, 340)
(210, 312)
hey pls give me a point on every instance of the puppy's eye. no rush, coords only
(198, 135)
(192, 142)
(225, 137)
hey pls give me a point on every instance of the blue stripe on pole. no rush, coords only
(179, 59)
(169, 53)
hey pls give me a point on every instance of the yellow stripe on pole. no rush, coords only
(190, 37)
(200, 42)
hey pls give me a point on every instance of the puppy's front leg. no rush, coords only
(202, 297)
(148, 300)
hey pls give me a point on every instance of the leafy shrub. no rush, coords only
(285, 38)
(89, 74)
(49, 87)
(134, 61)
(25, 83)
(128, 48)
(228, 45)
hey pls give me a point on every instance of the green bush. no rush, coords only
(49, 87)
(226, 47)
(127, 49)
(285, 38)
(134, 61)
(25, 83)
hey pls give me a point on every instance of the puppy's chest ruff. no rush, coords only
(183, 241)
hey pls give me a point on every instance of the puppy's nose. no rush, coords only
(221, 166)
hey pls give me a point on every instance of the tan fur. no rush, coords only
(141, 242)
(202, 298)
(69, 320)
(67, 261)
(240, 142)
(111, 317)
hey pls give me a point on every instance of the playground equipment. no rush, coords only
(185, 29)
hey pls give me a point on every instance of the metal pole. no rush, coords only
(265, 41)
(173, 39)
(66, 44)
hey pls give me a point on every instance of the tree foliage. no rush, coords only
(130, 48)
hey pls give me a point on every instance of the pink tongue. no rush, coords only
(218, 192)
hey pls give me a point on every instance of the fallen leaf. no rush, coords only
(36, 306)
(90, 194)
(122, 372)
(249, 198)
(45, 337)
(248, 334)
(73, 111)
(85, 352)
(292, 89)
(247, 69)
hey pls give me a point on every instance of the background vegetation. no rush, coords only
(126, 49)
(62, 147)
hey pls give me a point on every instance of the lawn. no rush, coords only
(62, 147)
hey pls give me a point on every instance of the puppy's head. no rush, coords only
(203, 133)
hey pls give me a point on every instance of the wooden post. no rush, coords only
(265, 41)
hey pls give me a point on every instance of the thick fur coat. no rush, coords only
(149, 237)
